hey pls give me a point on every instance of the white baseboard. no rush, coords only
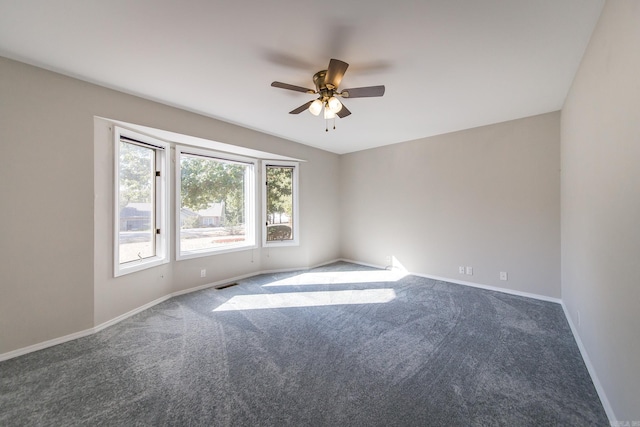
(60, 340)
(130, 313)
(464, 283)
(366, 264)
(45, 344)
(288, 270)
(212, 284)
(592, 372)
(493, 288)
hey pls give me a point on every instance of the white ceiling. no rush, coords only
(447, 64)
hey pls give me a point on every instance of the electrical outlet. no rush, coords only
(461, 270)
(387, 260)
(469, 271)
(503, 275)
(203, 272)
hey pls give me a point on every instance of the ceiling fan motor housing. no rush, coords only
(321, 87)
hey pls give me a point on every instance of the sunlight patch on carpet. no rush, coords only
(307, 299)
(340, 277)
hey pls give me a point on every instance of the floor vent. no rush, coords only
(226, 285)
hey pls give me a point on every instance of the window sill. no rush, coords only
(280, 243)
(205, 253)
(132, 267)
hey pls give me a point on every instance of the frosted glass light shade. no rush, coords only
(315, 107)
(334, 104)
(328, 114)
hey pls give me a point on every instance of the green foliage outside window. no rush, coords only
(136, 174)
(279, 190)
(279, 202)
(205, 181)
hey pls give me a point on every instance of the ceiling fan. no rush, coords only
(327, 82)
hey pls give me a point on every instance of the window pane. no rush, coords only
(212, 211)
(279, 203)
(137, 213)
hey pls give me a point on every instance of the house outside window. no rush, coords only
(141, 183)
(215, 195)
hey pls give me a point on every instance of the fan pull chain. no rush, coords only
(326, 124)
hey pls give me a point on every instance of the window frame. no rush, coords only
(162, 152)
(295, 240)
(250, 183)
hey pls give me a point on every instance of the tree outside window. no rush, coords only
(280, 203)
(213, 204)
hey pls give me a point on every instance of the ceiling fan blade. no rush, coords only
(301, 108)
(344, 112)
(363, 92)
(292, 87)
(335, 72)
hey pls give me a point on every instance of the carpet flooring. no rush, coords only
(340, 345)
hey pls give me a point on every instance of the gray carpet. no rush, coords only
(341, 345)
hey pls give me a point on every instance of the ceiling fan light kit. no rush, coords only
(315, 107)
(327, 82)
(334, 105)
(328, 114)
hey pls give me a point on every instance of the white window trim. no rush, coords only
(161, 204)
(250, 203)
(295, 241)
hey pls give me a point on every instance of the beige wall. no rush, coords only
(46, 219)
(487, 197)
(601, 204)
(55, 186)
